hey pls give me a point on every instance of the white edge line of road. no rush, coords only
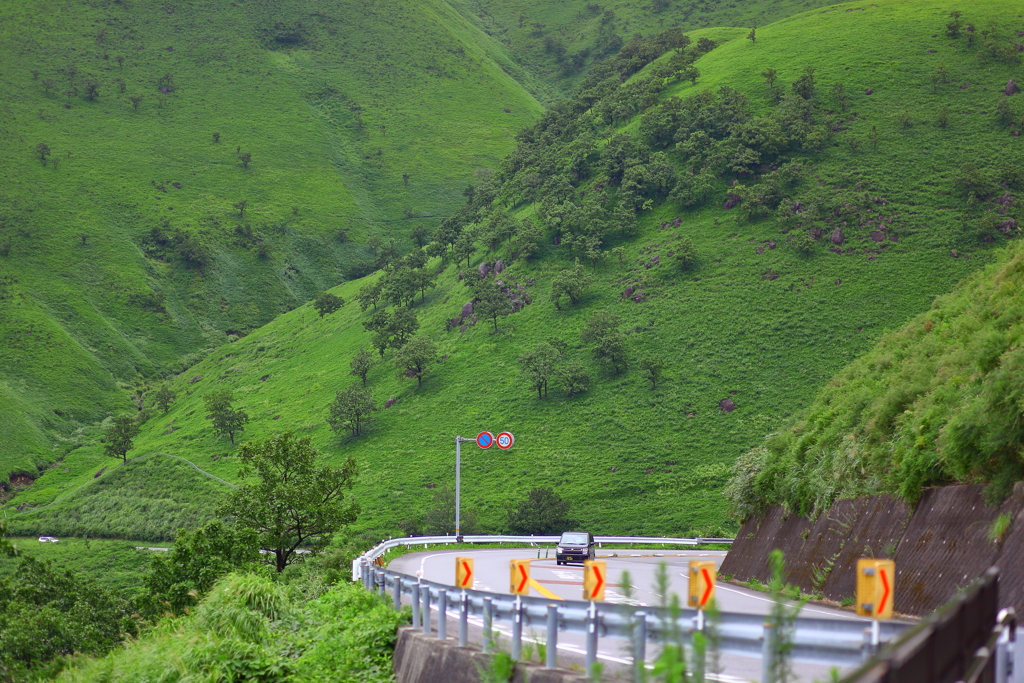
(805, 609)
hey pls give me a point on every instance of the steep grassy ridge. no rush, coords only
(772, 308)
(122, 244)
(936, 402)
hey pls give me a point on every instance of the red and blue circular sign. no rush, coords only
(485, 439)
(505, 440)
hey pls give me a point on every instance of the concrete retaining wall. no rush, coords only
(421, 658)
(939, 547)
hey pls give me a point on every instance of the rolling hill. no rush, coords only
(814, 218)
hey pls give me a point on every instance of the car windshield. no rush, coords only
(573, 539)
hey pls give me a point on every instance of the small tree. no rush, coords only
(652, 367)
(420, 236)
(48, 85)
(953, 27)
(538, 367)
(164, 397)
(43, 150)
(572, 282)
(120, 436)
(216, 138)
(240, 206)
(752, 36)
(415, 358)
(840, 96)
(361, 364)
(573, 378)
(350, 411)
(293, 501)
(803, 243)
(686, 253)
(770, 76)
(804, 86)
(92, 89)
(136, 100)
(942, 118)
(226, 420)
(543, 512)
(245, 158)
(873, 138)
(327, 303)
(905, 119)
(491, 301)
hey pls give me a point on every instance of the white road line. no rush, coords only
(805, 609)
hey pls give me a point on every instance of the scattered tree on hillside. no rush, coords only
(136, 100)
(953, 28)
(240, 206)
(439, 519)
(686, 253)
(216, 137)
(543, 512)
(83, 236)
(770, 76)
(539, 366)
(7, 549)
(226, 420)
(839, 95)
(420, 235)
(905, 119)
(804, 86)
(752, 36)
(48, 85)
(178, 580)
(350, 410)
(361, 364)
(327, 303)
(92, 89)
(490, 302)
(1003, 111)
(873, 138)
(119, 437)
(374, 243)
(43, 150)
(652, 367)
(246, 158)
(164, 397)
(464, 247)
(942, 117)
(573, 378)
(293, 501)
(571, 282)
(369, 294)
(415, 358)
(803, 243)
(391, 330)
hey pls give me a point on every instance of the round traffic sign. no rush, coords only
(484, 439)
(505, 440)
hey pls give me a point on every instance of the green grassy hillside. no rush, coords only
(848, 214)
(935, 402)
(124, 246)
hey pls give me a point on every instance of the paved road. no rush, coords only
(566, 582)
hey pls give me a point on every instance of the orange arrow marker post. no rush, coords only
(519, 577)
(702, 583)
(876, 592)
(464, 572)
(594, 573)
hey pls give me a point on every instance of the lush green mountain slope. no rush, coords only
(124, 243)
(936, 402)
(846, 212)
(557, 42)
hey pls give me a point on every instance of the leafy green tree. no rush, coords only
(119, 437)
(491, 302)
(538, 367)
(839, 95)
(770, 76)
(873, 138)
(543, 512)
(804, 86)
(178, 580)
(240, 206)
(327, 303)
(686, 253)
(803, 243)
(391, 330)
(46, 613)
(942, 118)
(422, 279)
(752, 36)
(464, 247)
(954, 26)
(370, 294)
(573, 378)
(415, 358)
(136, 100)
(350, 410)
(361, 364)
(292, 501)
(92, 89)
(652, 367)
(601, 324)
(571, 282)
(245, 158)
(43, 150)
(420, 235)
(226, 420)
(611, 350)
(164, 397)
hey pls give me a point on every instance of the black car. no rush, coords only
(575, 546)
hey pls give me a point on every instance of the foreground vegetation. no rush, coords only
(737, 246)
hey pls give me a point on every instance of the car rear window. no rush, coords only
(574, 539)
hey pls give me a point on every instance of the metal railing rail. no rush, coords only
(834, 642)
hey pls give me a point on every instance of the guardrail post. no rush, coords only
(552, 638)
(416, 605)
(591, 660)
(442, 614)
(463, 619)
(425, 610)
(517, 628)
(700, 659)
(488, 618)
(396, 593)
(768, 653)
(383, 583)
(365, 573)
(639, 645)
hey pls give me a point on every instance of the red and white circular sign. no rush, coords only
(485, 439)
(505, 440)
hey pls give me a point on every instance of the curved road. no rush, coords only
(565, 582)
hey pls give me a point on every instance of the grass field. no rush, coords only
(115, 565)
(333, 106)
(764, 327)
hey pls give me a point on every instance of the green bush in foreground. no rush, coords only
(251, 628)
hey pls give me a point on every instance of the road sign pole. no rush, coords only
(639, 646)
(463, 619)
(591, 660)
(551, 660)
(458, 468)
(488, 628)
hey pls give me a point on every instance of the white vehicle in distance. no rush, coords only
(48, 539)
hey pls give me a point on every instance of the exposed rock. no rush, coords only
(195, 379)
(390, 402)
(1011, 88)
(837, 237)
(965, 86)
(869, 91)
(483, 269)
(499, 266)
(467, 309)
(877, 236)
(727, 405)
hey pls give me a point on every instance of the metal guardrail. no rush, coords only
(834, 642)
